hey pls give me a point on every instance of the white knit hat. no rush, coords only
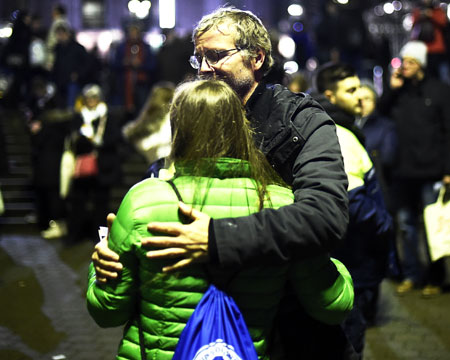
(417, 50)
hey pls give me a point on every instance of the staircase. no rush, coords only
(17, 188)
(16, 185)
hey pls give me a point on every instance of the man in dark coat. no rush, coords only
(69, 69)
(420, 107)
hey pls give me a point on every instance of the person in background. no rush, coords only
(135, 64)
(298, 83)
(48, 125)
(430, 22)
(174, 48)
(97, 133)
(380, 137)
(59, 16)
(219, 171)
(419, 106)
(70, 66)
(15, 59)
(381, 142)
(150, 132)
(370, 225)
(38, 48)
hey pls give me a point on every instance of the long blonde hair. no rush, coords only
(208, 122)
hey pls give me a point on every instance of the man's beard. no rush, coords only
(240, 86)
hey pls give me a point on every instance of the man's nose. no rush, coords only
(205, 67)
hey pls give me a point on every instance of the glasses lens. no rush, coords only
(212, 56)
(195, 61)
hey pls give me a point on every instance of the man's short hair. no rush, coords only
(249, 32)
(60, 9)
(330, 74)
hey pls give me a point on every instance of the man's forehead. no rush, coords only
(222, 32)
(349, 82)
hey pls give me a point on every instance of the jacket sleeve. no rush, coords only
(324, 287)
(113, 304)
(315, 223)
(367, 210)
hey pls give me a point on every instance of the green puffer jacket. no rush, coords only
(165, 302)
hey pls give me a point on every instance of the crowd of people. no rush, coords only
(273, 179)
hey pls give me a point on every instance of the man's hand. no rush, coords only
(397, 80)
(106, 262)
(189, 241)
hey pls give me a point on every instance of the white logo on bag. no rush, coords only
(216, 350)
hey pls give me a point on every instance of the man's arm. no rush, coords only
(315, 223)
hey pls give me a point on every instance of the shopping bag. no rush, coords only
(86, 165)
(66, 172)
(2, 204)
(215, 330)
(437, 226)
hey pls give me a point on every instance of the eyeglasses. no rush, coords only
(212, 57)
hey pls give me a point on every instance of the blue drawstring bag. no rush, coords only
(215, 330)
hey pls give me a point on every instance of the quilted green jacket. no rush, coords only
(164, 302)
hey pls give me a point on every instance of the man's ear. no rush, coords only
(258, 61)
(330, 96)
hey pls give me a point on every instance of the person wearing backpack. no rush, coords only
(218, 171)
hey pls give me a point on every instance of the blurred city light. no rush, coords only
(407, 22)
(378, 71)
(286, 46)
(295, 10)
(291, 67)
(342, 2)
(397, 5)
(6, 31)
(396, 63)
(102, 39)
(298, 26)
(388, 8)
(166, 14)
(378, 79)
(140, 9)
(312, 64)
(378, 10)
(154, 39)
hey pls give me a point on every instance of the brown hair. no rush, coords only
(208, 122)
(153, 112)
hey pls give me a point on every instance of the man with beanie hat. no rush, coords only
(420, 108)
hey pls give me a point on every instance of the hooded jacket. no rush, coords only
(164, 302)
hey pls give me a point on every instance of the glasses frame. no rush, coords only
(196, 60)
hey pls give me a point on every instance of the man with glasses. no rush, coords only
(299, 140)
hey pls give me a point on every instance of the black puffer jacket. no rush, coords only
(299, 140)
(422, 115)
